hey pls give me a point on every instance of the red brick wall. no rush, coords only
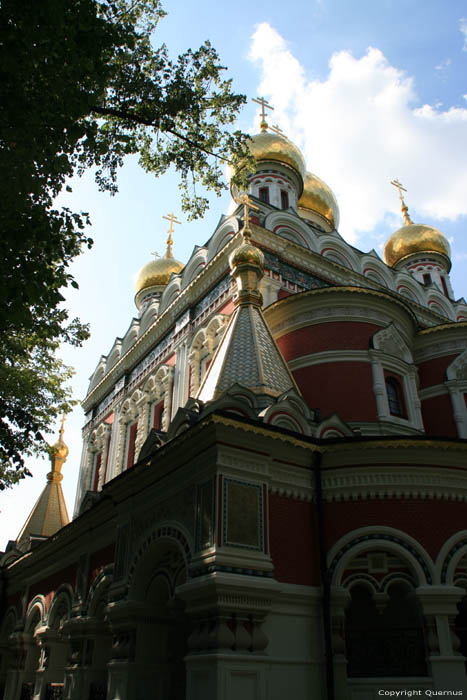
(437, 416)
(99, 559)
(345, 388)
(433, 371)
(293, 543)
(341, 335)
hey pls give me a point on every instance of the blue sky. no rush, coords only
(369, 91)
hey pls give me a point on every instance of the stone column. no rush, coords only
(227, 640)
(139, 665)
(459, 408)
(379, 385)
(89, 642)
(412, 398)
(340, 599)
(52, 660)
(439, 604)
(168, 390)
(22, 678)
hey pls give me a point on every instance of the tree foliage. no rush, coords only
(82, 86)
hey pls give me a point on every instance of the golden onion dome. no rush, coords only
(415, 238)
(157, 272)
(246, 253)
(318, 197)
(275, 147)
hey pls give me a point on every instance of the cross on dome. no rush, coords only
(262, 102)
(247, 204)
(173, 220)
(405, 210)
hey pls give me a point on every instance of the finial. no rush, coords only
(62, 427)
(247, 204)
(405, 210)
(173, 220)
(261, 101)
(58, 454)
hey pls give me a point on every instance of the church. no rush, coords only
(273, 483)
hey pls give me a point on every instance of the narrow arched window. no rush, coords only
(284, 199)
(395, 397)
(264, 194)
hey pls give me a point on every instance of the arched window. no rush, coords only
(264, 194)
(284, 199)
(388, 642)
(395, 397)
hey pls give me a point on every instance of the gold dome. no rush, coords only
(246, 254)
(415, 238)
(318, 197)
(275, 147)
(157, 272)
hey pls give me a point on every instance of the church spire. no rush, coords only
(50, 512)
(248, 354)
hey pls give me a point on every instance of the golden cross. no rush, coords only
(62, 427)
(173, 220)
(262, 102)
(247, 204)
(405, 210)
(156, 254)
(276, 130)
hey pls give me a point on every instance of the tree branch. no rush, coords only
(129, 116)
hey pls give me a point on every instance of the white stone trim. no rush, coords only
(376, 543)
(352, 483)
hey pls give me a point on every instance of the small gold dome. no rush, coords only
(157, 272)
(246, 254)
(318, 197)
(275, 147)
(60, 450)
(415, 238)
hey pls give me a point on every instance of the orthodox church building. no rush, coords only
(272, 492)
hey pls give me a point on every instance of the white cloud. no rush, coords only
(463, 30)
(360, 127)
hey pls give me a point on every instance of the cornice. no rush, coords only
(332, 356)
(438, 483)
(432, 391)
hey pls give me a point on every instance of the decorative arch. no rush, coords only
(386, 539)
(98, 590)
(331, 253)
(194, 266)
(170, 293)
(223, 234)
(148, 316)
(99, 373)
(114, 355)
(291, 227)
(291, 233)
(437, 303)
(60, 608)
(36, 609)
(169, 533)
(131, 336)
(407, 287)
(449, 556)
